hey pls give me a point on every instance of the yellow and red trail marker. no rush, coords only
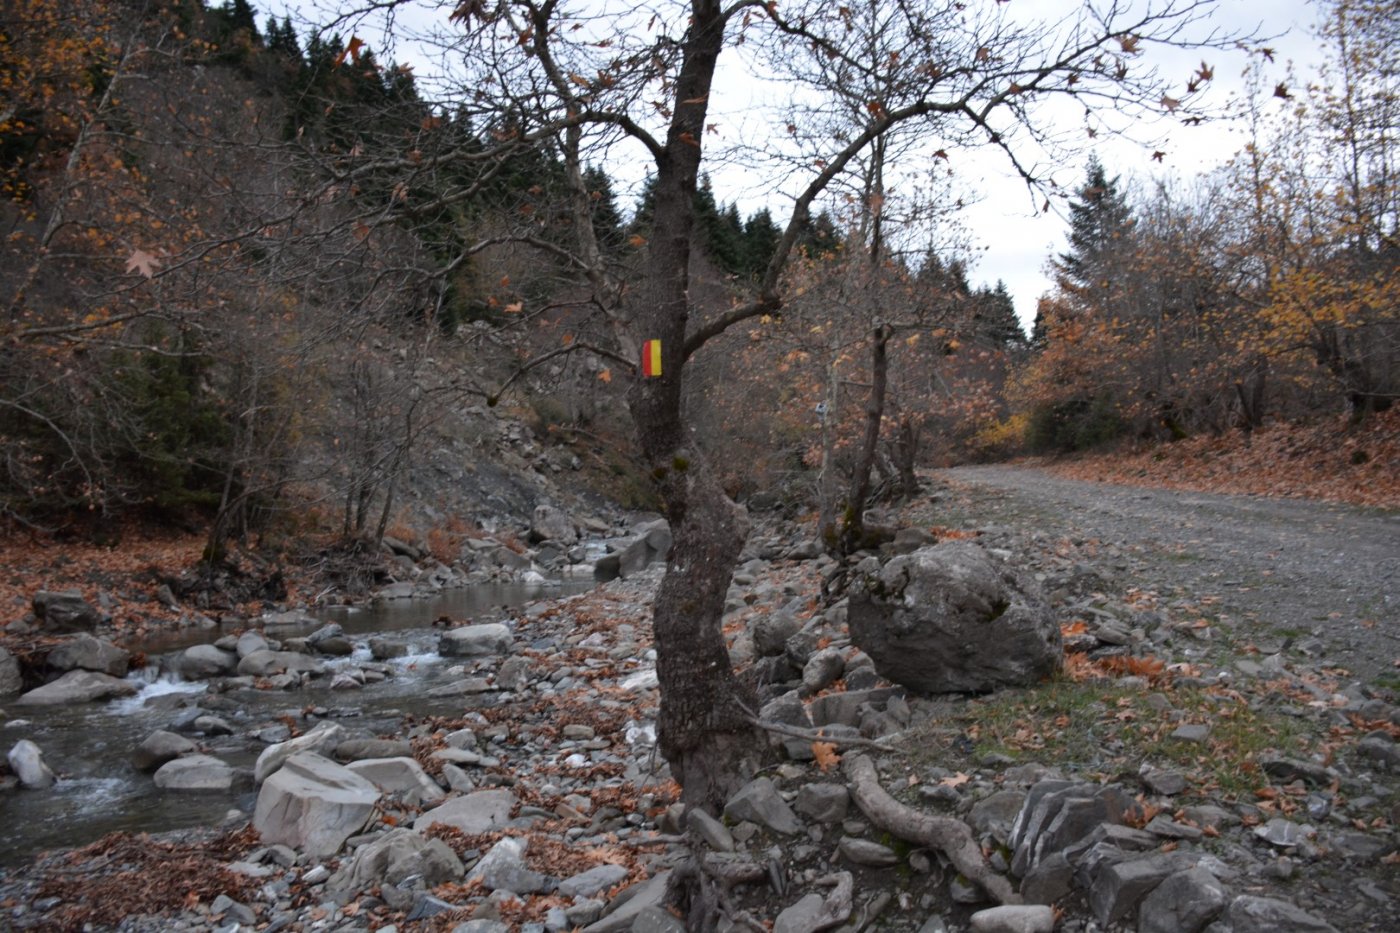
(651, 358)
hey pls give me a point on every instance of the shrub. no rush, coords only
(1076, 424)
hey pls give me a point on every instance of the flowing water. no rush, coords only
(89, 745)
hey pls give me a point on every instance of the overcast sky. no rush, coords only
(1012, 238)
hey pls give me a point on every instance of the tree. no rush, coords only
(649, 80)
(1100, 228)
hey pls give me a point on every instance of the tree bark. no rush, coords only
(853, 521)
(704, 724)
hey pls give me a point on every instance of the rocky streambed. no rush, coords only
(1164, 780)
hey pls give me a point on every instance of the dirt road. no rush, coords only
(1319, 577)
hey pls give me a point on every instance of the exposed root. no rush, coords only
(950, 836)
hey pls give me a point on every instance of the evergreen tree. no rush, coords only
(995, 317)
(1101, 225)
(236, 15)
(761, 237)
(607, 222)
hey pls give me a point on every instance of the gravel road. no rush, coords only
(1320, 577)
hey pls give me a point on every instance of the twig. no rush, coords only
(815, 735)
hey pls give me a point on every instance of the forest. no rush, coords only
(247, 268)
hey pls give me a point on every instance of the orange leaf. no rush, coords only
(605, 376)
(825, 755)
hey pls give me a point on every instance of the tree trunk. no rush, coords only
(705, 729)
(852, 529)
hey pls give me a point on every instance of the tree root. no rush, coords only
(950, 836)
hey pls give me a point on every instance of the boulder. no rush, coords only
(11, 682)
(396, 856)
(549, 523)
(264, 663)
(324, 737)
(78, 687)
(360, 749)
(90, 654)
(503, 868)
(331, 640)
(195, 773)
(27, 763)
(1183, 903)
(313, 805)
(759, 802)
(249, 642)
(954, 619)
(201, 661)
(158, 748)
(479, 812)
(469, 641)
(1250, 914)
(652, 543)
(64, 612)
(402, 778)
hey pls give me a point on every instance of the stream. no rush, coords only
(88, 745)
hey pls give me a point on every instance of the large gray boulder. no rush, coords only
(64, 611)
(266, 662)
(200, 661)
(403, 778)
(470, 641)
(321, 740)
(158, 748)
(954, 619)
(11, 682)
(88, 653)
(652, 543)
(480, 812)
(396, 856)
(549, 523)
(78, 687)
(27, 763)
(195, 773)
(313, 805)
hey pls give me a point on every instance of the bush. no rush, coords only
(1076, 424)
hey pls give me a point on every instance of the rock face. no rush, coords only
(953, 619)
(77, 687)
(313, 805)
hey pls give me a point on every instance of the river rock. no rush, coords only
(200, 661)
(266, 662)
(250, 641)
(313, 805)
(361, 749)
(158, 748)
(593, 881)
(480, 812)
(27, 763)
(953, 619)
(469, 641)
(396, 856)
(90, 654)
(10, 681)
(403, 778)
(503, 868)
(1250, 914)
(1183, 903)
(65, 611)
(549, 523)
(635, 900)
(330, 640)
(195, 773)
(78, 687)
(324, 737)
(1014, 918)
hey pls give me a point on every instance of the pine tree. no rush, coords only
(995, 317)
(1101, 225)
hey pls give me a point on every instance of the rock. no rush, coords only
(866, 852)
(200, 661)
(478, 812)
(158, 748)
(402, 778)
(789, 710)
(324, 737)
(1014, 918)
(759, 802)
(1118, 887)
(714, 833)
(1191, 732)
(396, 856)
(1048, 880)
(313, 805)
(90, 654)
(266, 662)
(330, 640)
(651, 544)
(771, 632)
(195, 773)
(823, 669)
(1183, 903)
(1288, 770)
(649, 893)
(805, 916)
(1052, 821)
(950, 618)
(469, 641)
(64, 612)
(250, 641)
(594, 881)
(549, 523)
(656, 920)
(360, 749)
(503, 868)
(1250, 914)
(1166, 783)
(994, 814)
(78, 687)
(383, 649)
(1280, 832)
(825, 803)
(27, 763)
(10, 681)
